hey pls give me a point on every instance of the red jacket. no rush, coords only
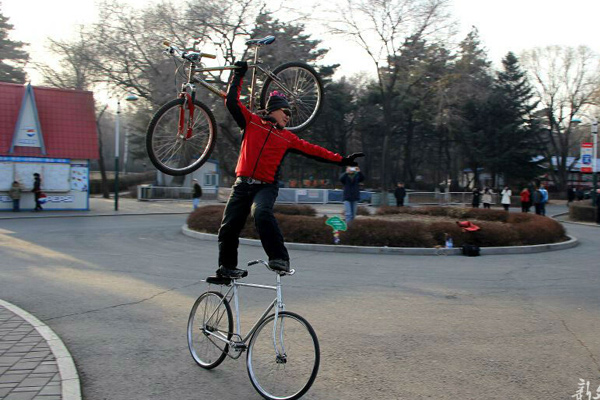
(263, 144)
(525, 196)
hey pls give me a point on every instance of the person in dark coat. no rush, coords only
(400, 194)
(476, 198)
(196, 193)
(598, 206)
(570, 195)
(37, 191)
(351, 180)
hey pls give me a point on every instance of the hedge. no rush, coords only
(582, 211)
(498, 228)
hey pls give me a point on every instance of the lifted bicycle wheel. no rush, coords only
(180, 138)
(211, 315)
(283, 364)
(304, 91)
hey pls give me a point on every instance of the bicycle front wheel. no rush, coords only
(177, 142)
(283, 364)
(210, 319)
(303, 88)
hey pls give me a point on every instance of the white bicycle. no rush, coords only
(282, 348)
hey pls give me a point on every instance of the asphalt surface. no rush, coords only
(118, 290)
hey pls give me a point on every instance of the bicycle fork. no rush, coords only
(280, 355)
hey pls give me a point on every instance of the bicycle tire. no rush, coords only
(168, 150)
(203, 349)
(287, 380)
(304, 90)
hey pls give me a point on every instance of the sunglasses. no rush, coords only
(287, 112)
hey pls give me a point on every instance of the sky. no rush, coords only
(507, 25)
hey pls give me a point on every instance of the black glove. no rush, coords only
(242, 67)
(349, 160)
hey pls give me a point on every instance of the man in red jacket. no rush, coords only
(265, 142)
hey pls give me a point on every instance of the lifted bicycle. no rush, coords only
(183, 132)
(283, 352)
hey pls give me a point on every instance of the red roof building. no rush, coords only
(67, 122)
(49, 133)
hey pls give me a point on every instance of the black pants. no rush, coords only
(399, 202)
(38, 204)
(259, 200)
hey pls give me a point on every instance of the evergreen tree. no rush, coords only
(470, 92)
(12, 55)
(512, 142)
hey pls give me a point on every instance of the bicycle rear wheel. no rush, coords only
(303, 88)
(289, 375)
(210, 315)
(172, 147)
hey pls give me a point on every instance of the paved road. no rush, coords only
(117, 290)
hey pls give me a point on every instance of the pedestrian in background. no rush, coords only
(525, 200)
(15, 194)
(570, 195)
(400, 194)
(598, 206)
(196, 193)
(506, 194)
(486, 199)
(476, 198)
(544, 199)
(536, 198)
(37, 191)
(351, 180)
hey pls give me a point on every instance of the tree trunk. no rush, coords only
(104, 184)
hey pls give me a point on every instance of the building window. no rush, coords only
(210, 180)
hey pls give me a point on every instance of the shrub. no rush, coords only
(206, 219)
(362, 210)
(539, 230)
(582, 211)
(521, 229)
(387, 233)
(292, 209)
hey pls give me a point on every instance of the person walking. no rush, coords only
(598, 206)
(506, 194)
(486, 199)
(15, 194)
(351, 180)
(196, 193)
(265, 142)
(37, 191)
(536, 198)
(476, 198)
(544, 199)
(570, 195)
(525, 200)
(400, 194)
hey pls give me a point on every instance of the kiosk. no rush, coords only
(51, 132)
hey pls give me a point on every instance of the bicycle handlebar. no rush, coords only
(191, 56)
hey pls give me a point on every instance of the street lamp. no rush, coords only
(129, 97)
(594, 155)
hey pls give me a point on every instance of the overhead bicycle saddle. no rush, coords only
(260, 42)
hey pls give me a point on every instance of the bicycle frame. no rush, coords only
(277, 303)
(254, 66)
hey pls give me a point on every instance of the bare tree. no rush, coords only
(567, 82)
(380, 28)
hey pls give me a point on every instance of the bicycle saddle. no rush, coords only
(260, 42)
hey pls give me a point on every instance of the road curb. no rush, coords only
(69, 378)
(415, 251)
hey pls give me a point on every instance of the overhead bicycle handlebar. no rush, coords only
(266, 264)
(190, 56)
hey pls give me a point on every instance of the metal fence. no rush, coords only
(150, 192)
(315, 196)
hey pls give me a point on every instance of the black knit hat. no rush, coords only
(276, 101)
